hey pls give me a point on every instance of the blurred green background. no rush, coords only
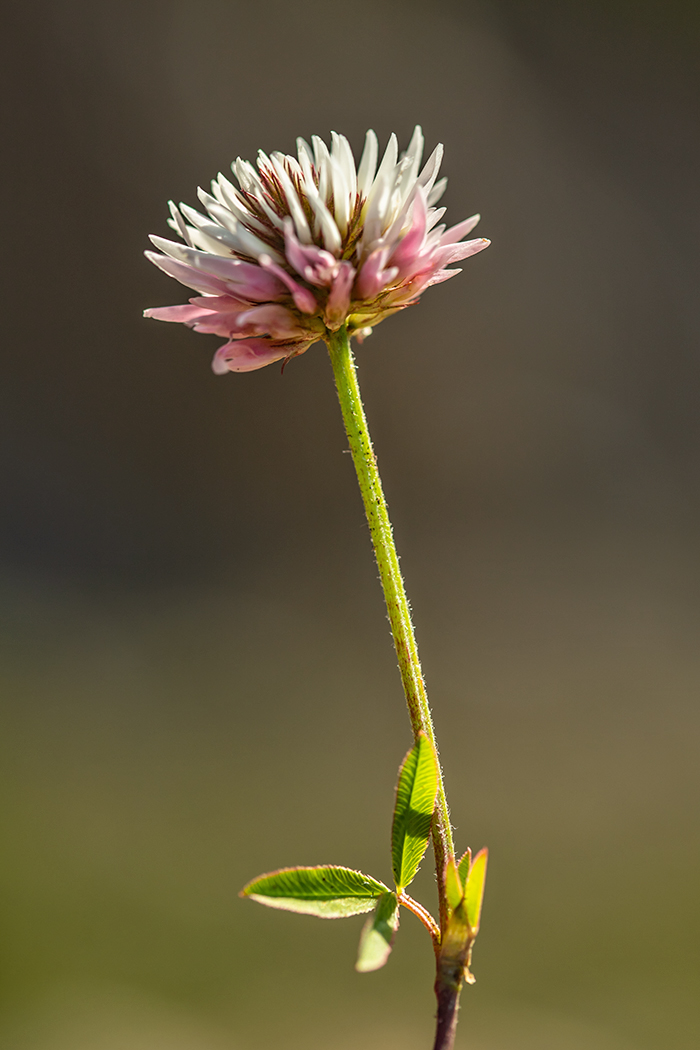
(198, 681)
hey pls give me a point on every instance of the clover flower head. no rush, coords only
(303, 245)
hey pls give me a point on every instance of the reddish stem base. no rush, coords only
(447, 993)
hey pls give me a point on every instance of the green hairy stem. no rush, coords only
(449, 980)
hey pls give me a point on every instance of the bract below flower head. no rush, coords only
(303, 245)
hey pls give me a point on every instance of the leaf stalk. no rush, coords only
(425, 917)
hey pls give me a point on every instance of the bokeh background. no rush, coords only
(197, 675)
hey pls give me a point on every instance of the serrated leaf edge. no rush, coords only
(248, 890)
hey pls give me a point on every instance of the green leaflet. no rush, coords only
(413, 812)
(327, 891)
(453, 885)
(378, 934)
(474, 889)
(463, 866)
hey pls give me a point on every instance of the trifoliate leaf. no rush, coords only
(378, 934)
(474, 890)
(329, 892)
(413, 812)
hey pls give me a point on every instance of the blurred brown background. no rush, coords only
(197, 675)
